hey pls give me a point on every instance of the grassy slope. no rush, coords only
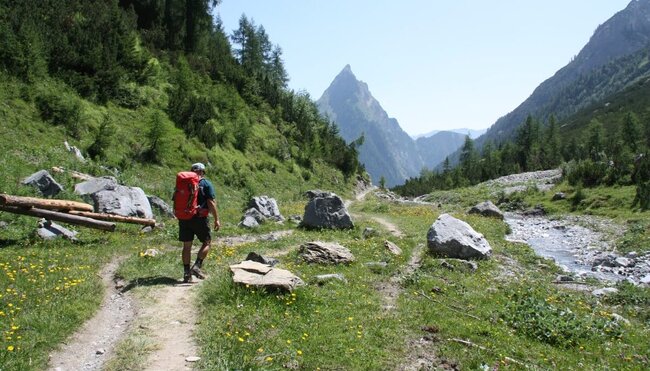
(50, 288)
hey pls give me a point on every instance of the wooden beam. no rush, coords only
(60, 217)
(18, 201)
(114, 217)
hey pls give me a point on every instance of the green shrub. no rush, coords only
(62, 110)
(550, 320)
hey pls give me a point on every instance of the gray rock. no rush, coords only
(326, 210)
(392, 248)
(44, 182)
(368, 232)
(295, 219)
(451, 237)
(538, 210)
(645, 279)
(267, 206)
(3, 224)
(74, 150)
(122, 200)
(146, 229)
(48, 230)
(604, 291)
(261, 275)
(325, 253)
(564, 278)
(317, 193)
(93, 185)
(248, 222)
(559, 196)
(623, 262)
(253, 256)
(620, 319)
(255, 214)
(488, 209)
(160, 205)
(192, 359)
(324, 278)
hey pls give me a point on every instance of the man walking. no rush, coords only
(198, 226)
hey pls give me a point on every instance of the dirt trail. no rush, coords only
(171, 320)
(94, 343)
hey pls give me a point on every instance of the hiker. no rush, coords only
(198, 226)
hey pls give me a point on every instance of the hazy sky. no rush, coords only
(431, 64)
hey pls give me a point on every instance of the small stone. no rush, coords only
(100, 351)
(192, 359)
(605, 291)
(369, 232)
(559, 196)
(646, 280)
(151, 253)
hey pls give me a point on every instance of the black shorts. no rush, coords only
(198, 226)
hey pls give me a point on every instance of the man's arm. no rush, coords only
(212, 207)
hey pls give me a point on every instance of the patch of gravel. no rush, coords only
(583, 245)
(543, 180)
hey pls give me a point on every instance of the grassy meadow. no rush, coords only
(505, 314)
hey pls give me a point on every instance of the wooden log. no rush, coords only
(115, 218)
(18, 201)
(60, 217)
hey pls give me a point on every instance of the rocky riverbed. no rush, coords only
(582, 245)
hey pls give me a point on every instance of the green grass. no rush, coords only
(507, 308)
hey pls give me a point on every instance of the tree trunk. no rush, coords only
(114, 217)
(61, 217)
(18, 201)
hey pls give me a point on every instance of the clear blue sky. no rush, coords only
(431, 64)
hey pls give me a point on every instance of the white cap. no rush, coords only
(198, 166)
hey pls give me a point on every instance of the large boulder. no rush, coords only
(488, 209)
(112, 198)
(93, 185)
(44, 182)
(160, 205)
(453, 238)
(325, 253)
(266, 206)
(325, 210)
(262, 275)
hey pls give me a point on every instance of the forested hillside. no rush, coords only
(143, 85)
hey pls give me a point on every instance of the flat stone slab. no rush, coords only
(262, 275)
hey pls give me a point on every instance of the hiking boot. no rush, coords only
(187, 277)
(196, 271)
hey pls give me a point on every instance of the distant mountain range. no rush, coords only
(387, 151)
(464, 131)
(615, 58)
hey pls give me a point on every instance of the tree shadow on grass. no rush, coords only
(151, 281)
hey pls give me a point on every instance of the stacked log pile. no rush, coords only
(72, 212)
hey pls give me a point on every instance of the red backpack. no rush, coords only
(186, 195)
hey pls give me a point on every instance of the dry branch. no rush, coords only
(63, 205)
(61, 217)
(115, 218)
(474, 345)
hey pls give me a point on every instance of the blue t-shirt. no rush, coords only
(206, 191)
